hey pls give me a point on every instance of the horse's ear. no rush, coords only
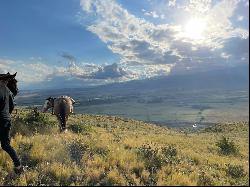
(13, 76)
(51, 98)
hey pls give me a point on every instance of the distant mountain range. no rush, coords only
(226, 78)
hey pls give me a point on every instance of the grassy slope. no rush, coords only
(104, 150)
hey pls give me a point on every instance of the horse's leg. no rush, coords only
(60, 122)
(64, 123)
(64, 126)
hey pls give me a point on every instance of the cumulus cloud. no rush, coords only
(171, 3)
(40, 75)
(199, 6)
(109, 71)
(32, 73)
(140, 71)
(140, 41)
(131, 37)
(153, 14)
(5, 65)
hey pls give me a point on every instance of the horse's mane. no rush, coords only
(12, 85)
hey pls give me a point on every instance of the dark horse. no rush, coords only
(8, 84)
(12, 85)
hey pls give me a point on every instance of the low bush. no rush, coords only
(76, 151)
(169, 152)
(155, 157)
(227, 147)
(235, 171)
(80, 128)
(31, 123)
(204, 180)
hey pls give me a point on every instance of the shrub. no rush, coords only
(76, 151)
(169, 154)
(152, 158)
(137, 170)
(205, 180)
(24, 150)
(169, 151)
(37, 120)
(226, 147)
(236, 171)
(80, 128)
(32, 122)
(100, 150)
(155, 157)
(113, 178)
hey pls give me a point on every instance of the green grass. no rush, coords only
(106, 150)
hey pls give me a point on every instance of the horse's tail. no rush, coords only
(62, 115)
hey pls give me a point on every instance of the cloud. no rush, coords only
(38, 73)
(219, 26)
(199, 6)
(109, 72)
(140, 41)
(33, 72)
(147, 49)
(5, 65)
(153, 14)
(131, 37)
(68, 56)
(240, 18)
(225, 55)
(139, 71)
(171, 3)
(78, 74)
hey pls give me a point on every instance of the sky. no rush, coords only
(78, 43)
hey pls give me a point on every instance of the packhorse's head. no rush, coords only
(49, 103)
(11, 82)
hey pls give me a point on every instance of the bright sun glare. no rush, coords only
(194, 29)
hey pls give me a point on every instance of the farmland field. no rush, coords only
(174, 109)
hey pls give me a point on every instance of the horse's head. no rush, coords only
(49, 103)
(12, 84)
(10, 81)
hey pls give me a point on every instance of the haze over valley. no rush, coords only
(202, 98)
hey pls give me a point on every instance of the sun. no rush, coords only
(194, 29)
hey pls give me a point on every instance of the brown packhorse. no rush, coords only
(61, 107)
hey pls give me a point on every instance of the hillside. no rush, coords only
(106, 150)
